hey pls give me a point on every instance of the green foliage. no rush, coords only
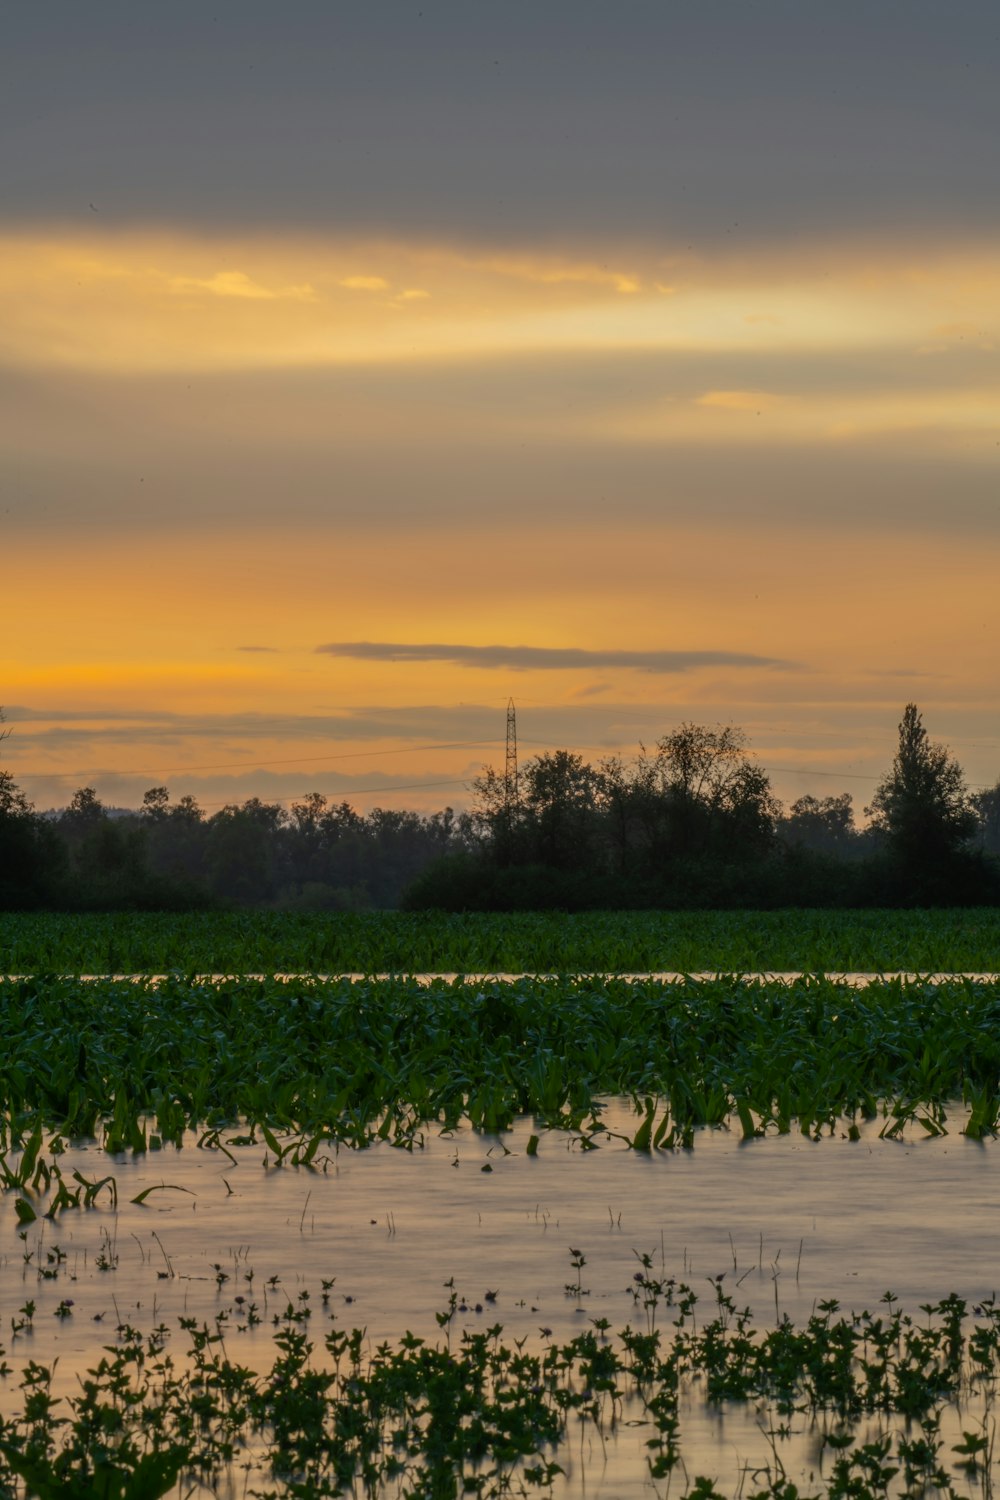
(690, 825)
(922, 807)
(173, 857)
(537, 942)
(309, 1062)
(483, 1415)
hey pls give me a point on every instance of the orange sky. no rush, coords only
(347, 365)
(272, 446)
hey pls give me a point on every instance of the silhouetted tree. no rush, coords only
(986, 807)
(107, 853)
(78, 825)
(32, 860)
(32, 857)
(176, 840)
(243, 854)
(714, 800)
(559, 795)
(85, 810)
(498, 818)
(824, 825)
(13, 802)
(556, 819)
(156, 804)
(921, 808)
(697, 797)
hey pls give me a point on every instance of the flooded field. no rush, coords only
(432, 1235)
(468, 1231)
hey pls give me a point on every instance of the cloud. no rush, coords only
(738, 400)
(549, 271)
(546, 658)
(958, 330)
(893, 673)
(596, 137)
(55, 728)
(238, 284)
(408, 295)
(158, 301)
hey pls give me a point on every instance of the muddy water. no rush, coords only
(790, 1221)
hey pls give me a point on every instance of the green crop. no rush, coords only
(140, 1062)
(597, 942)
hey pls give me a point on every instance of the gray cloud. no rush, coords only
(432, 722)
(716, 121)
(216, 449)
(544, 658)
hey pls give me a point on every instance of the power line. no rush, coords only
(974, 786)
(100, 774)
(789, 770)
(807, 771)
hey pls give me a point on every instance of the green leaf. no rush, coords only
(161, 1187)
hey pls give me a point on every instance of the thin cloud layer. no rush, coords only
(715, 121)
(238, 284)
(140, 302)
(547, 658)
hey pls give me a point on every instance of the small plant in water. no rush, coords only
(576, 1288)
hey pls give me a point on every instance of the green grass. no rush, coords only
(740, 942)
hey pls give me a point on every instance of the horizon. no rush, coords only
(364, 369)
(367, 800)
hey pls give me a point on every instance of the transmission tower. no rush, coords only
(510, 768)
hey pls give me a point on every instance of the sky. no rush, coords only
(363, 366)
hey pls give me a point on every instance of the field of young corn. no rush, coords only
(233, 1034)
(593, 942)
(135, 1061)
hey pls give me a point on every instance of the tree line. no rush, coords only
(694, 823)
(691, 822)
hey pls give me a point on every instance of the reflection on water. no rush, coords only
(788, 1221)
(856, 978)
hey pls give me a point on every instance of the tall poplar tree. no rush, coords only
(922, 806)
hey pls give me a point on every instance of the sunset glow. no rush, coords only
(765, 440)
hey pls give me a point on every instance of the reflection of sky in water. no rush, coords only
(803, 1221)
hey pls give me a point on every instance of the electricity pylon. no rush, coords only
(510, 767)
